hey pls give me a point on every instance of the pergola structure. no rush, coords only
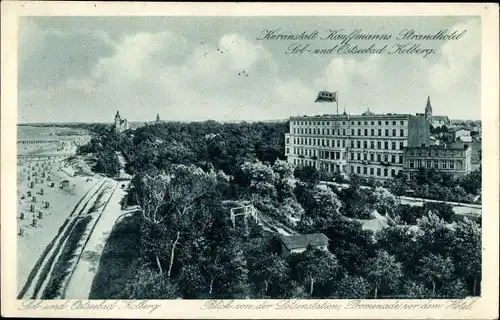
(245, 211)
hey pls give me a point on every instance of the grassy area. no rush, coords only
(118, 260)
(61, 269)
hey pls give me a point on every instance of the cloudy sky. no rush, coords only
(191, 68)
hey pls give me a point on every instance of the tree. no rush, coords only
(170, 198)
(316, 266)
(385, 202)
(442, 210)
(352, 287)
(149, 284)
(307, 174)
(268, 269)
(436, 269)
(381, 269)
(466, 252)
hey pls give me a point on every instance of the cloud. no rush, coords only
(457, 56)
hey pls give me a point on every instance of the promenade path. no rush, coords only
(80, 283)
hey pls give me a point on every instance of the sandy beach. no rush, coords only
(47, 192)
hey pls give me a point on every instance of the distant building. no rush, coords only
(457, 134)
(298, 244)
(120, 124)
(435, 121)
(157, 117)
(451, 160)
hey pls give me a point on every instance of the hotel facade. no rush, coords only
(369, 145)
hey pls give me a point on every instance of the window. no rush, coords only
(359, 144)
(378, 169)
(393, 145)
(328, 132)
(365, 144)
(310, 131)
(444, 165)
(359, 123)
(386, 145)
(411, 164)
(352, 155)
(371, 123)
(359, 132)
(393, 132)
(371, 157)
(365, 156)
(379, 157)
(366, 132)
(372, 132)
(343, 123)
(338, 132)
(386, 158)
(352, 144)
(402, 132)
(400, 159)
(393, 159)
(371, 171)
(352, 169)
(419, 163)
(386, 132)
(401, 145)
(436, 165)
(366, 123)
(343, 143)
(352, 132)
(459, 165)
(385, 172)
(287, 140)
(294, 131)
(365, 170)
(428, 164)
(322, 131)
(372, 145)
(343, 132)
(379, 132)
(402, 123)
(387, 122)
(379, 123)
(287, 150)
(359, 156)
(393, 173)
(358, 169)
(379, 145)
(327, 123)
(294, 161)
(394, 123)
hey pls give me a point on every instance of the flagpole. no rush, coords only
(337, 101)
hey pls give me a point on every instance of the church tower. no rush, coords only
(118, 120)
(157, 117)
(428, 108)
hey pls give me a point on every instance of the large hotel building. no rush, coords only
(370, 145)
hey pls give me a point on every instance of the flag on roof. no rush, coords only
(326, 96)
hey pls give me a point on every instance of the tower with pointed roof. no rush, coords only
(428, 108)
(118, 120)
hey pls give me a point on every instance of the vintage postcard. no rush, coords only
(239, 160)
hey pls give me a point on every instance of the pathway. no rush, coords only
(80, 283)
